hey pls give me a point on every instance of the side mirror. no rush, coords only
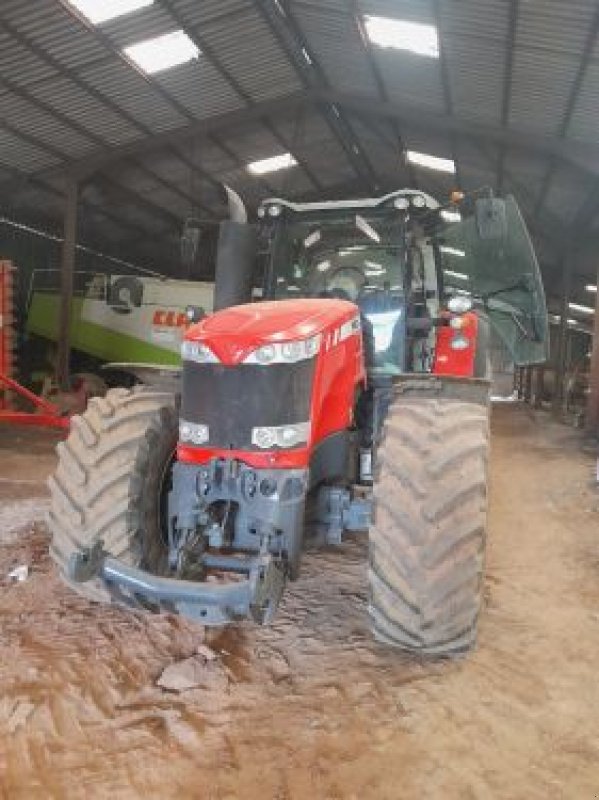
(190, 242)
(491, 218)
(194, 313)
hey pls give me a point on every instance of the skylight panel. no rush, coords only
(460, 276)
(272, 164)
(431, 162)
(99, 11)
(162, 52)
(415, 37)
(453, 251)
(581, 309)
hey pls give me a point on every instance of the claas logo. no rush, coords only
(170, 319)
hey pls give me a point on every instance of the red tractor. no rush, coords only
(355, 396)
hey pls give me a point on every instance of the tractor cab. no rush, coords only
(400, 258)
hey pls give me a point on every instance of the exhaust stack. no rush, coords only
(235, 256)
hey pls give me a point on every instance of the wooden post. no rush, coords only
(539, 385)
(560, 365)
(528, 384)
(67, 268)
(519, 382)
(592, 416)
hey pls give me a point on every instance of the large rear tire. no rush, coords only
(111, 482)
(427, 544)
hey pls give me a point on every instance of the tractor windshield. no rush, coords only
(350, 254)
(503, 278)
(400, 262)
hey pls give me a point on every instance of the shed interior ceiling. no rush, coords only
(511, 97)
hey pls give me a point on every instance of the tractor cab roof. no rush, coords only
(366, 202)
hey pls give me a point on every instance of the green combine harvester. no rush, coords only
(118, 318)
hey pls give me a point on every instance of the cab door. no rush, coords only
(501, 273)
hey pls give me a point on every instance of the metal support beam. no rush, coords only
(508, 79)
(518, 383)
(560, 362)
(583, 66)
(210, 53)
(67, 268)
(528, 385)
(592, 416)
(238, 120)
(579, 155)
(289, 35)
(398, 141)
(539, 383)
(446, 85)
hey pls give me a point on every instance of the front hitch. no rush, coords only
(256, 595)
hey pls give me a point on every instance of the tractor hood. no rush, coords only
(233, 333)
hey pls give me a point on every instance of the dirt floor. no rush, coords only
(311, 708)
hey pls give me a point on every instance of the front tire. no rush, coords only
(427, 544)
(111, 481)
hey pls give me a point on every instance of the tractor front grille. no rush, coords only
(231, 400)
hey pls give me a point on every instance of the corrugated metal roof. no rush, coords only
(249, 51)
(476, 70)
(44, 126)
(543, 81)
(80, 106)
(144, 24)
(22, 155)
(411, 79)
(50, 28)
(18, 62)
(585, 122)
(200, 89)
(87, 95)
(336, 43)
(128, 90)
(210, 10)
(555, 26)
(482, 20)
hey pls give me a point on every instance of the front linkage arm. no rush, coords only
(256, 595)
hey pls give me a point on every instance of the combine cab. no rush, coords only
(356, 394)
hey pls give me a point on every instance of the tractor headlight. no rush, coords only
(265, 354)
(198, 352)
(459, 304)
(264, 438)
(282, 436)
(401, 203)
(285, 352)
(193, 433)
(291, 351)
(312, 346)
(290, 435)
(460, 342)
